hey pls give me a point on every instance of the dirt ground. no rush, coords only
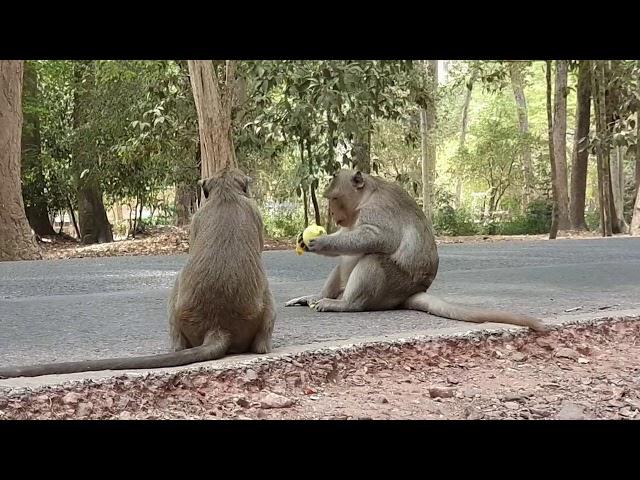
(577, 372)
(175, 240)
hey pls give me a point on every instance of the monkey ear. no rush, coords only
(357, 180)
(205, 186)
(246, 184)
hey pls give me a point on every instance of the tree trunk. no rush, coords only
(92, 216)
(73, 217)
(312, 188)
(362, 146)
(35, 200)
(604, 188)
(463, 131)
(612, 100)
(553, 232)
(305, 202)
(314, 201)
(560, 144)
(635, 219)
(186, 201)
(637, 179)
(329, 225)
(517, 83)
(140, 226)
(16, 239)
(182, 203)
(214, 104)
(580, 149)
(617, 187)
(427, 133)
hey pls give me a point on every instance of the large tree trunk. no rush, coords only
(612, 100)
(553, 232)
(635, 218)
(560, 144)
(427, 133)
(92, 216)
(580, 149)
(604, 187)
(637, 182)
(463, 130)
(517, 83)
(634, 229)
(617, 187)
(214, 104)
(16, 239)
(35, 200)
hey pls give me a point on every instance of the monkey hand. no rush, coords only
(322, 246)
(307, 300)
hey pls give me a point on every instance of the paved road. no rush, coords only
(93, 308)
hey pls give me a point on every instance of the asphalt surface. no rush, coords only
(94, 308)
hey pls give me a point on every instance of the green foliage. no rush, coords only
(592, 217)
(450, 221)
(282, 220)
(139, 123)
(317, 110)
(536, 220)
(297, 122)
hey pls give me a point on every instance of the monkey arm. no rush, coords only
(364, 239)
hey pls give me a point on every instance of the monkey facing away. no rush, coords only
(388, 255)
(221, 302)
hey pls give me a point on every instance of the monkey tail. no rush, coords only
(428, 303)
(216, 347)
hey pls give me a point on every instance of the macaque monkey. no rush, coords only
(388, 255)
(221, 302)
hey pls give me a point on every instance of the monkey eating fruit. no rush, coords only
(221, 302)
(388, 255)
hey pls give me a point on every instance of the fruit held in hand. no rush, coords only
(309, 233)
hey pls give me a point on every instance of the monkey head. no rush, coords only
(225, 181)
(345, 193)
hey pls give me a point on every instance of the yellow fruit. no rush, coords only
(311, 232)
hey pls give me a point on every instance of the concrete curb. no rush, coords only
(17, 386)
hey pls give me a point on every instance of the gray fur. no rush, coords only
(221, 302)
(389, 255)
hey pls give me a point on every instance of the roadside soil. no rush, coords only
(576, 372)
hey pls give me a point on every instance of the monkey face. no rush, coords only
(344, 195)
